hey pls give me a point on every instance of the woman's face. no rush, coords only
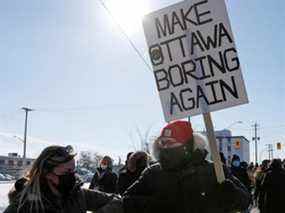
(64, 168)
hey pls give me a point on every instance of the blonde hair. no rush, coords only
(31, 193)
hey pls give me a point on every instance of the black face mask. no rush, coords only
(173, 158)
(66, 183)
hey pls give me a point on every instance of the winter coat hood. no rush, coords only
(194, 151)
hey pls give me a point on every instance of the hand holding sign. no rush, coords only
(195, 61)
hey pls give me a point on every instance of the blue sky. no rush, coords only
(70, 62)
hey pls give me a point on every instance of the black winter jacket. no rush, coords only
(191, 189)
(271, 197)
(79, 201)
(126, 179)
(104, 180)
(242, 175)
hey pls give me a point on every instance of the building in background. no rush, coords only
(230, 145)
(14, 165)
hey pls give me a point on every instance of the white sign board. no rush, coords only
(194, 58)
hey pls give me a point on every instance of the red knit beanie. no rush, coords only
(181, 131)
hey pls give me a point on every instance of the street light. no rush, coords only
(27, 110)
(255, 138)
(234, 123)
(15, 136)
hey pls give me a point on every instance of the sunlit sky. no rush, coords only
(70, 62)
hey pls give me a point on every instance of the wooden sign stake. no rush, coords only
(213, 147)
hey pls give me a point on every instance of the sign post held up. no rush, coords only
(195, 62)
(213, 146)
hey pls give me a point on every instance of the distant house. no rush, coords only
(14, 165)
(230, 145)
(234, 145)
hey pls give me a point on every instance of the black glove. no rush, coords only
(228, 187)
(228, 191)
(228, 194)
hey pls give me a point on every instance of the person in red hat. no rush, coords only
(183, 180)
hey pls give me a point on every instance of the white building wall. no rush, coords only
(228, 147)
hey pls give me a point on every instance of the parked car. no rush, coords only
(85, 174)
(2, 177)
(9, 177)
(6, 177)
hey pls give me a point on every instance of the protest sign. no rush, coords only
(194, 58)
(195, 63)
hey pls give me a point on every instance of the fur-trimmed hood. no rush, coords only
(200, 150)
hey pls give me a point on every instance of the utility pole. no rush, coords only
(270, 151)
(255, 138)
(27, 110)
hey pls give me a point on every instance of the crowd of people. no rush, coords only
(180, 178)
(265, 182)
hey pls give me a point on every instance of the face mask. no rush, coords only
(66, 183)
(172, 158)
(236, 163)
(103, 167)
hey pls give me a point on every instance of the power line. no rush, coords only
(125, 34)
(273, 127)
(86, 108)
(262, 128)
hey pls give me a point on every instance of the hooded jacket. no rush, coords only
(79, 201)
(104, 180)
(184, 185)
(271, 197)
(138, 161)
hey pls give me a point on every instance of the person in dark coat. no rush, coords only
(51, 186)
(258, 179)
(104, 179)
(271, 198)
(136, 163)
(239, 170)
(184, 180)
(124, 168)
(223, 159)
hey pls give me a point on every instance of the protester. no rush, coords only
(259, 176)
(136, 163)
(223, 159)
(183, 180)
(271, 197)
(239, 170)
(104, 178)
(283, 163)
(124, 168)
(250, 172)
(51, 186)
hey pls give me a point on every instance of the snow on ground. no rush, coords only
(4, 189)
